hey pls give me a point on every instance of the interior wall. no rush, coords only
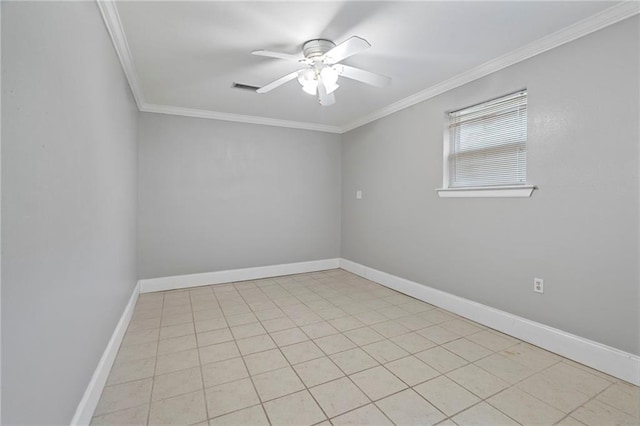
(218, 195)
(69, 127)
(579, 231)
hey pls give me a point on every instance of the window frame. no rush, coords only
(515, 190)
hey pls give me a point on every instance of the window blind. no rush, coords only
(488, 143)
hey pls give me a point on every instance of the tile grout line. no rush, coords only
(316, 304)
(510, 385)
(410, 354)
(328, 356)
(325, 355)
(255, 389)
(299, 378)
(606, 403)
(514, 385)
(155, 365)
(360, 347)
(589, 400)
(204, 394)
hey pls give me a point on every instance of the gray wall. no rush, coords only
(69, 205)
(217, 195)
(579, 231)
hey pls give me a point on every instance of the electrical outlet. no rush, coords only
(359, 194)
(538, 285)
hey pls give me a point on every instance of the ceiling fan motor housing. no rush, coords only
(316, 48)
(322, 58)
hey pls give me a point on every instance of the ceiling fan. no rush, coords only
(322, 59)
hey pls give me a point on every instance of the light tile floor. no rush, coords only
(333, 348)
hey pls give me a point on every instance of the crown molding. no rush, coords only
(582, 28)
(238, 118)
(111, 19)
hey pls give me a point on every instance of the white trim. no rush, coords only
(617, 363)
(489, 191)
(111, 17)
(265, 121)
(86, 407)
(112, 20)
(221, 277)
(612, 361)
(91, 396)
(582, 28)
(446, 150)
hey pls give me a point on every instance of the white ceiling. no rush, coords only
(183, 57)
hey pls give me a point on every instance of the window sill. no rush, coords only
(513, 191)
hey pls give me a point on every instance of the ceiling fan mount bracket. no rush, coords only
(316, 48)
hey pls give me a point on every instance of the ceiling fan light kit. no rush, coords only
(320, 77)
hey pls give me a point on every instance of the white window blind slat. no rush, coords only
(488, 143)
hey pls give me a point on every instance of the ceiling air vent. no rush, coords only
(244, 86)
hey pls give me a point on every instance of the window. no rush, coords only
(486, 149)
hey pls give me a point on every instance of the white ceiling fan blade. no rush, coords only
(362, 75)
(279, 82)
(279, 55)
(347, 48)
(325, 98)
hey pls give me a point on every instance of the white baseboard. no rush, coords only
(220, 277)
(617, 363)
(91, 396)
